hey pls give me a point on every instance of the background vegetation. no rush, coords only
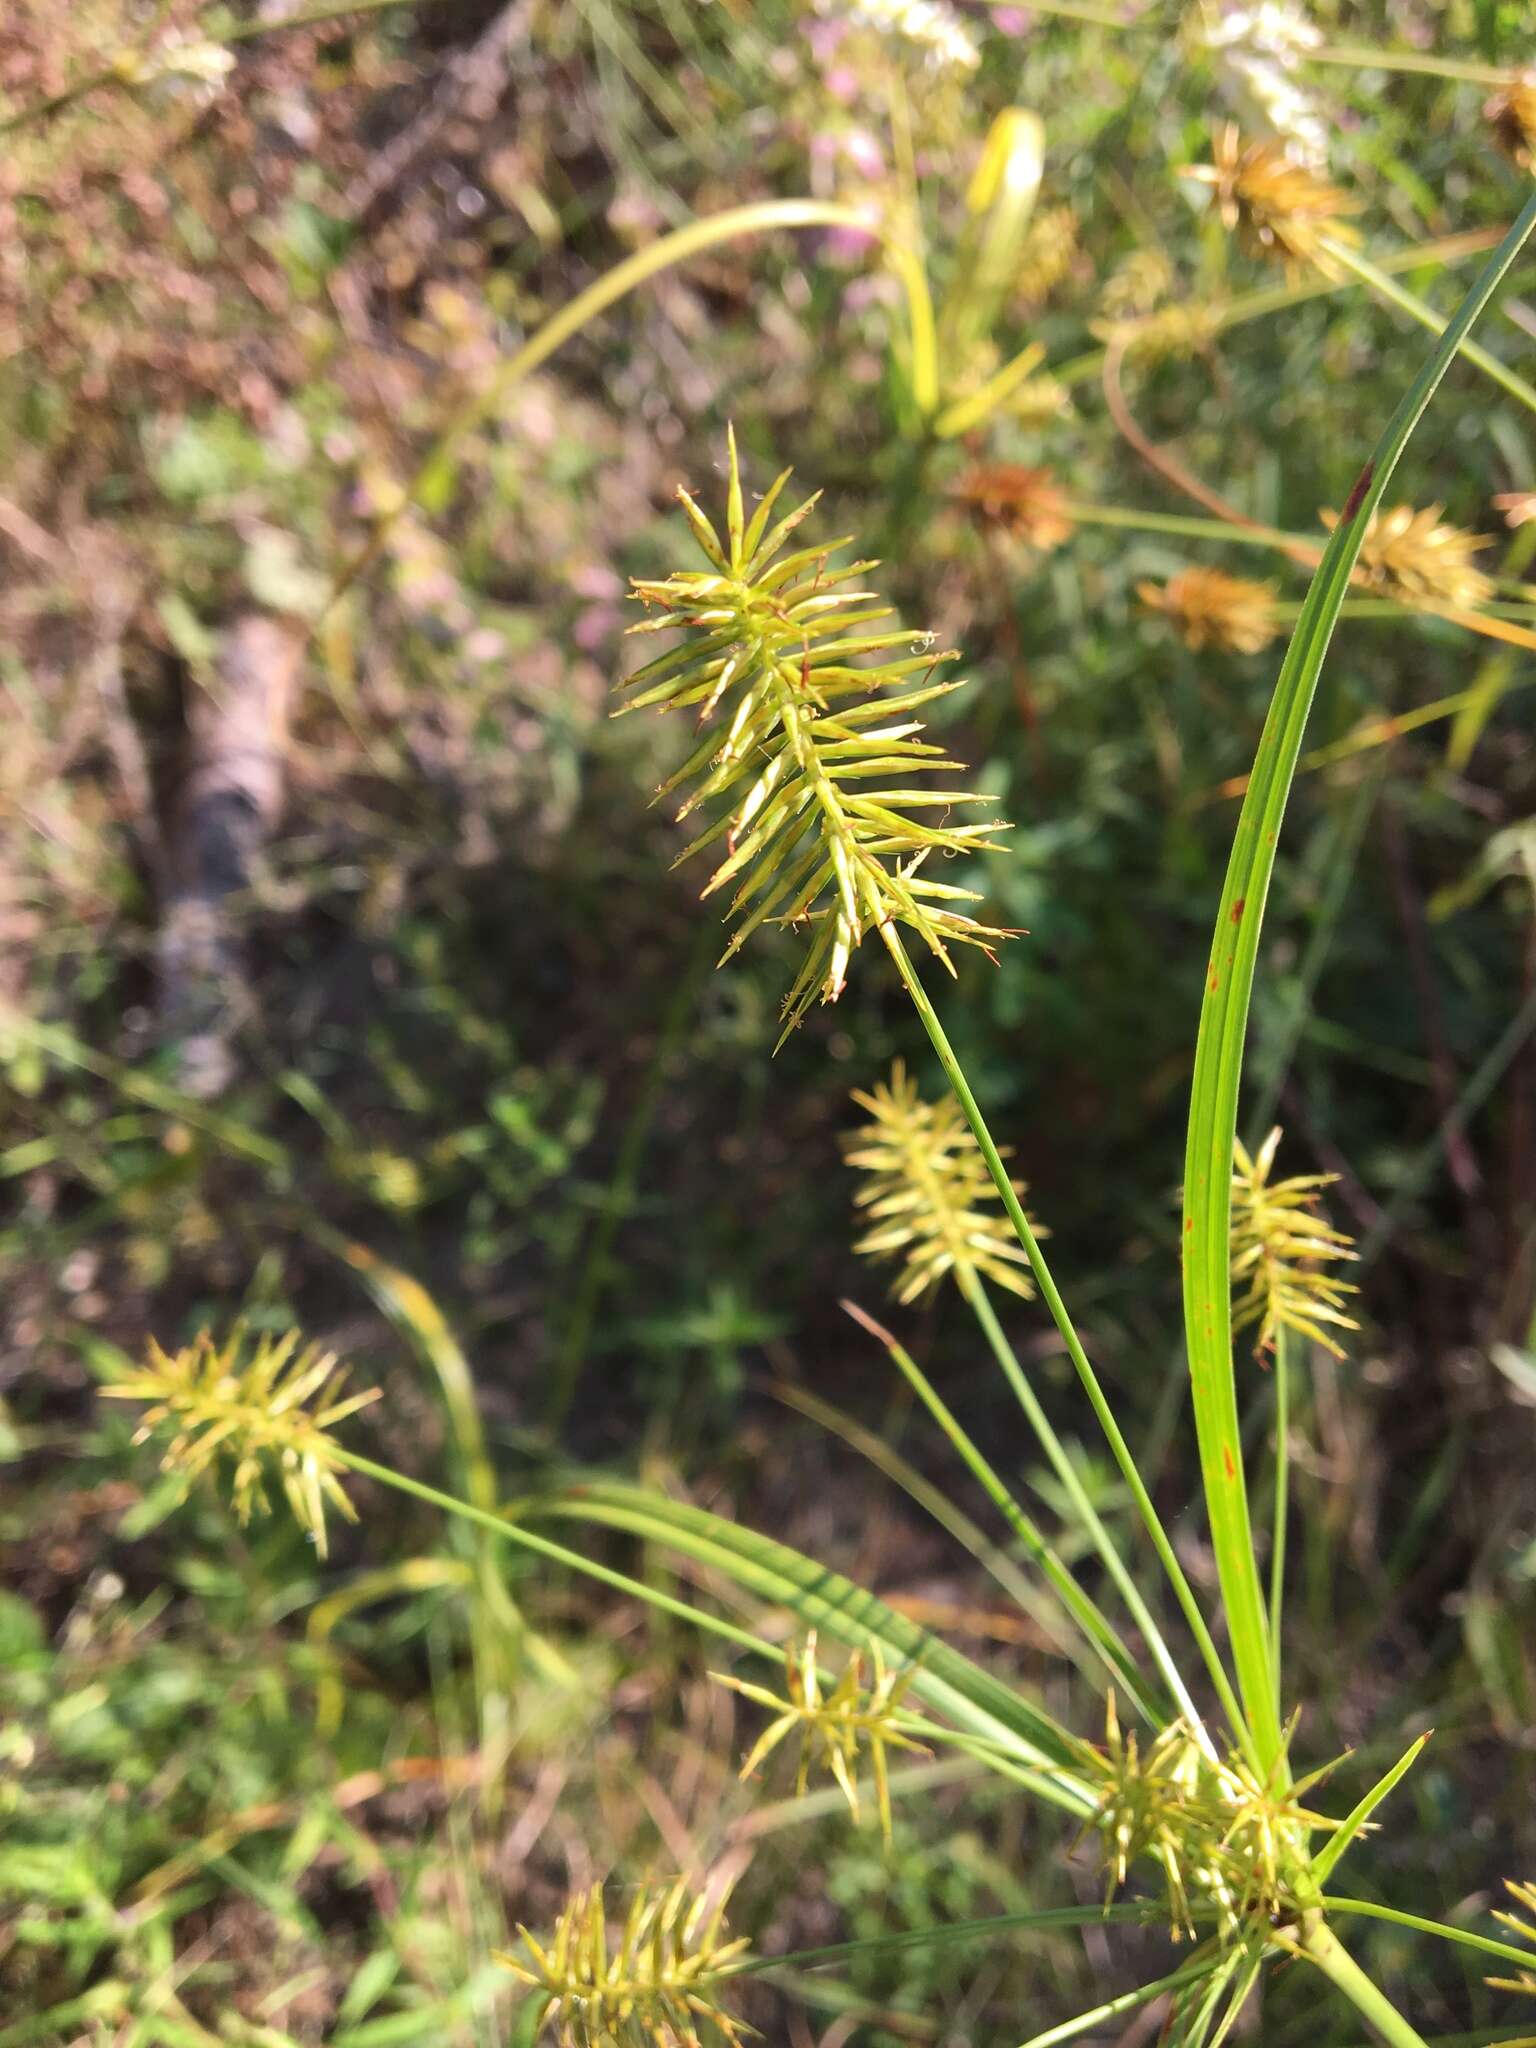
(344, 982)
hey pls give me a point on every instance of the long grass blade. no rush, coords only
(1223, 1027)
(947, 1681)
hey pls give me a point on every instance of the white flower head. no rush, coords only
(932, 26)
(1259, 50)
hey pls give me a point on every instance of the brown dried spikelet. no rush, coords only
(1414, 555)
(1511, 113)
(1209, 608)
(1028, 504)
(1275, 206)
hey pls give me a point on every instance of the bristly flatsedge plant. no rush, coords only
(812, 760)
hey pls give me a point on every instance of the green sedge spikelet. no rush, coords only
(812, 750)
(656, 1989)
(929, 1195)
(836, 1726)
(1231, 1847)
(1523, 1895)
(1280, 1244)
(257, 1406)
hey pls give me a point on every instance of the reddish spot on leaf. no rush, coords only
(1362, 485)
(1237, 910)
(1189, 1223)
(1227, 1461)
(1215, 984)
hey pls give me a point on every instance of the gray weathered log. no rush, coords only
(230, 799)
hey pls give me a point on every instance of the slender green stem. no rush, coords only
(1000, 1563)
(1324, 1948)
(1363, 58)
(1280, 298)
(1485, 1944)
(1051, 1295)
(1099, 1632)
(512, 1532)
(954, 1931)
(976, 1294)
(1282, 1375)
(663, 254)
(1184, 525)
(1410, 303)
(1112, 2008)
(1224, 1016)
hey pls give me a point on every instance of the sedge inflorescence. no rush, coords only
(1026, 503)
(1524, 1895)
(656, 1986)
(268, 1405)
(1232, 1846)
(1281, 1244)
(835, 1724)
(1416, 556)
(814, 751)
(1511, 113)
(928, 1194)
(1209, 608)
(1276, 206)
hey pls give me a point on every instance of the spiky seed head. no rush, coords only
(1275, 206)
(1414, 555)
(808, 743)
(835, 1724)
(657, 1985)
(1524, 1895)
(1511, 113)
(1028, 504)
(1147, 313)
(1211, 609)
(1228, 1844)
(1170, 334)
(929, 1195)
(1049, 250)
(267, 1404)
(1281, 1243)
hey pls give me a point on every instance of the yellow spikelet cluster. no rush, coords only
(834, 1726)
(1208, 608)
(1280, 1244)
(654, 1988)
(256, 1406)
(809, 751)
(1523, 1895)
(1511, 113)
(929, 1195)
(1416, 556)
(1229, 1844)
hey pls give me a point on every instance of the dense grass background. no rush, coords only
(251, 1797)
